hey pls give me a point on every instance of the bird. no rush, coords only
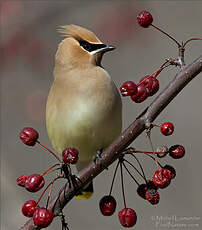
(84, 107)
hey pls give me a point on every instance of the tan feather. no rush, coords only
(78, 33)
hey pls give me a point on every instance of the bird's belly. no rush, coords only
(87, 126)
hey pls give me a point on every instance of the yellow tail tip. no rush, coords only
(84, 195)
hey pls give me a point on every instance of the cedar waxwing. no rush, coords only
(84, 107)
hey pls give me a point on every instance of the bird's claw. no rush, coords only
(98, 158)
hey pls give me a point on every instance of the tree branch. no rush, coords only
(112, 153)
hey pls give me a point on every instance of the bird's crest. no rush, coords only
(79, 33)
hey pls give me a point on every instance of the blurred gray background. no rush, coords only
(28, 44)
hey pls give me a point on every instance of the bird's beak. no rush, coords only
(102, 48)
(107, 48)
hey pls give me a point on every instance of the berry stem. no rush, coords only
(166, 62)
(181, 56)
(49, 169)
(155, 125)
(162, 31)
(134, 168)
(147, 152)
(158, 72)
(154, 159)
(191, 39)
(46, 189)
(143, 174)
(49, 151)
(130, 173)
(165, 65)
(122, 185)
(112, 184)
(148, 134)
(49, 194)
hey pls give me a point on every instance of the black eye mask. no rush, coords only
(90, 46)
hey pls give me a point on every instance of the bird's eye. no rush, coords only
(85, 45)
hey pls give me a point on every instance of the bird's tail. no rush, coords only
(86, 192)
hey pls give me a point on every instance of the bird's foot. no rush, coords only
(98, 158)
(72, 179)
(75, 181)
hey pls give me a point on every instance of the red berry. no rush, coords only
(144, 19)
(29, 208)
(167, 128)
(141, 190)
(127, 217)
(152, 196)
(147, 81)
(107, 205)
(151, 84)
(151, 185)
(70, 155)
(43, 217)
(163, 151)
(34, 182)
(128, 88)
(21, 180)
(155, 87)
(171, 169)
(176, 151)
(162, 178)
(140, 95)
(29, 136)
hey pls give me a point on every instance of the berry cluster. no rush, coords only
(149, 84)
(149, 189)
(147, 87)
(127, 216)
(162, 177)
(43, 217)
